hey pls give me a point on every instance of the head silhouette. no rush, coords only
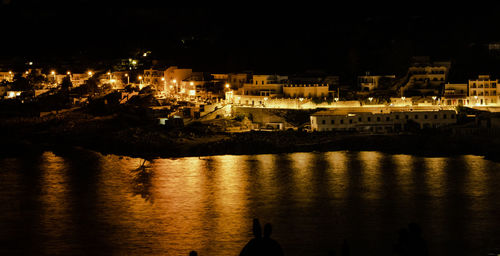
(193, 253)
(268, 229)
(257, 231)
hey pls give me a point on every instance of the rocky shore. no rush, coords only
(120, 136)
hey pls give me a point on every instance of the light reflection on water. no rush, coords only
(85, 203)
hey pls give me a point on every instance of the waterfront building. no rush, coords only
(380, 120)
(424, 74)
(174, 75)
(264, 85)
(237, 80)
(6, 76)
(370, 82)
(305, 90)
(154, 77)
(455, 94)
(483, 91)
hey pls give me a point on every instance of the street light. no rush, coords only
(227, 85)
(54, 74)
(128, 79)
(89, 73)
(370, 99)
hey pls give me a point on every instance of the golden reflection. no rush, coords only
(404, 165)
(339, 174)
(263, 177)
(371, 175)
(54, 200)
(302, 174)
(435, 175)
(476, 176)
(231, 185)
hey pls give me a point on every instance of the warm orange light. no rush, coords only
(69, 73)
(90, 73)
(227, 85)
(53, 72)
(163, 78)
(140, 77)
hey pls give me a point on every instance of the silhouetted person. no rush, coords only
(254, 246)
(345, 251)
(269, 245)
(193, 253)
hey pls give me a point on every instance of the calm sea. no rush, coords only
(84, 203)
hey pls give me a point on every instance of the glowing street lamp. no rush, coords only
(54, 74)
(89, 73)
(227, 86)
(128, 79)
(370, 99)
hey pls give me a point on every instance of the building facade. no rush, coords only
(483, 91)
(305, 90)
(386, 121)
(370, 82)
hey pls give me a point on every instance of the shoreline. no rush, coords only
(251, 143)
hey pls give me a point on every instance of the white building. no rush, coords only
(6, 76)
(380, 120)
(305, 90)
(455, 94)
(483, 91)
(264, 85)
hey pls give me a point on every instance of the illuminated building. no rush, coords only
(483, 91)
(380, 120)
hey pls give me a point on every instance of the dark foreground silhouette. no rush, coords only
(265, 246)
(410, 243)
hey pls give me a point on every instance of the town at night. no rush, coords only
(148, 129)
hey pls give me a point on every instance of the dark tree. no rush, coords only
(20, 83)
(66, 83)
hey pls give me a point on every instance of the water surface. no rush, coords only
(83, 203)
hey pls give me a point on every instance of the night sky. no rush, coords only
(238, 37)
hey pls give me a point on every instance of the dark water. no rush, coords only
(83, 203)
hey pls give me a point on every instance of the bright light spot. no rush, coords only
(191, 83)
(301, 99)
(90, 73)
(163, 78)
(140, 77)
(192, 92)
(31, 63)
(53, 72)
(175, 81)
(265, 98)
(227, 85)
(68, 73)
(145, 54)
